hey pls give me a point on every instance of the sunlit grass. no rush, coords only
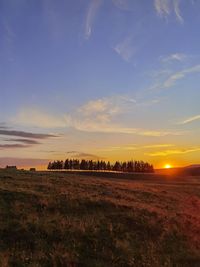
(67, 219)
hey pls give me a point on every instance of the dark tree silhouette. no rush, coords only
(126, 166)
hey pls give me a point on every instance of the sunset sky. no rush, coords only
(100, 79)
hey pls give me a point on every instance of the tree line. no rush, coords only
(126, 166)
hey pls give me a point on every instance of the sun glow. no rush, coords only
(167, 166)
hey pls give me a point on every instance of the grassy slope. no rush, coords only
(67, 219)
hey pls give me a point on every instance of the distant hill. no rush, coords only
(192, 170)
(193, 166)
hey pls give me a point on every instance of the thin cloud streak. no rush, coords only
(126, 49)
(83, 155)
(174, 57)
(178, 11)
(164, 8)
(158, 146)
(172, 152)
(3, 126)
(90, 17)
(89, 126)
(26, 134)
(25, 141)
(12, 146)
(171, 80)
(134, 147)
(191, 119)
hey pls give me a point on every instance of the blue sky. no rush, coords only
(112, 79)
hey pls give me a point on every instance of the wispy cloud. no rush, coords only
(108, 106)
(83, 155)
(99, 110)
(174, 57)
(162, 7)
(72, 152)
(190, 119)
(135, 147)
(99, 106)
(177, 10)
(99, 116)
(168, 75)
(171, 80)
(89, 126)
(172, 152)
(165, 7)
(95, 116)
(90, 16)
(39, 118)
(158, 146)
(126, 49)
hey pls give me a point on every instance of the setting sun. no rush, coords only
(167, 166)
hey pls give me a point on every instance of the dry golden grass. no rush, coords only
(71, 219)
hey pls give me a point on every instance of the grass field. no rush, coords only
(98, 220)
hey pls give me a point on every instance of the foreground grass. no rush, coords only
(67, 219)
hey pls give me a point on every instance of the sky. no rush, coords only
(99, 79)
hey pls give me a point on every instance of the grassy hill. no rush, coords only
(98, 220)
